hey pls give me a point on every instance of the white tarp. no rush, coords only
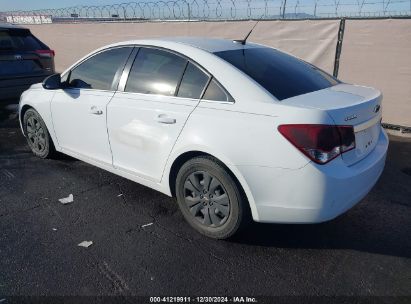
(313, 41)
(374, 52)
(377, 53)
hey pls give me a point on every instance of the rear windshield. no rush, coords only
(19, 40)
(284, 76)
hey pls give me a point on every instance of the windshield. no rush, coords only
(284, 76)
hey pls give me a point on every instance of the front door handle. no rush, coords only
(163, 118)
(94, 110)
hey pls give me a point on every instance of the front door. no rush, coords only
(80, 110)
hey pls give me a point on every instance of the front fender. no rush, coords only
(39, 100)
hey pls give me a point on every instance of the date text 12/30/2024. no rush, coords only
(203, 300)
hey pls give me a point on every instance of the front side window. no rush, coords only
(155, 71)
(282, 75)
(193, 82)
(98, 71)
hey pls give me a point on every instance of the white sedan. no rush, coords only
(233, 130)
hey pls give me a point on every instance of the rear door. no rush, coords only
(147, 114)
(79, 111)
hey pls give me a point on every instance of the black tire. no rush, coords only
(37, 135)
(203, 188)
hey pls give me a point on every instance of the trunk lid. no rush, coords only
(350, 105)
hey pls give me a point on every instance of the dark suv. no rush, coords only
(24, 60)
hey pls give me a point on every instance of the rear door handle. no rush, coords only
(164, 119)
(94, 110)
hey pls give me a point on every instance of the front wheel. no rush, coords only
(210, 199)
(37, 135)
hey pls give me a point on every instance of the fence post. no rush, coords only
(284, 5)
(189, 11)
(339, 47)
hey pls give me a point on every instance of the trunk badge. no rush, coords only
(351, 117)
(377, 108)
(18, 57)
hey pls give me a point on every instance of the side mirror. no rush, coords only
(52, 82)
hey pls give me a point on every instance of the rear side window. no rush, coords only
(19, 40)
(193, 82)
(282, 75)
(155, 72)
(98, 71)
(216, 93)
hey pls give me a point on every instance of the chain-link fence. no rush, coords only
(215, 10)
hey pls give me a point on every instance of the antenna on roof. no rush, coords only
(243, 41)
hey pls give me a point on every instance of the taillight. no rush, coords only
(321, 143)
(45, 53)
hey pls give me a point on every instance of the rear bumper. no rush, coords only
(313, 193)
(12, 88)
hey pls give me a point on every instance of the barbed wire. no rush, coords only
(220, 10)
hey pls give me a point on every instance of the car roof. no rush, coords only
(202, 51)
(211, 45)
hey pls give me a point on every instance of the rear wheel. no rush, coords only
(37, 135)
(210, 199)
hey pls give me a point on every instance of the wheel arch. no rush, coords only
(232, 170)
(23, 111)
(44, 113)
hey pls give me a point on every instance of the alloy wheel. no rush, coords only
(36, 135)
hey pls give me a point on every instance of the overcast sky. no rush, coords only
(8, 5)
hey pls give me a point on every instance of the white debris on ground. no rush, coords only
(121, 194)
(149, 224)
(85, 244)
(67, 200)
(54, 229)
